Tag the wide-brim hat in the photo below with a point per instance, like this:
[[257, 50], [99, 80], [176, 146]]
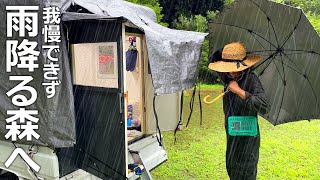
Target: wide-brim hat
[[234, 58]]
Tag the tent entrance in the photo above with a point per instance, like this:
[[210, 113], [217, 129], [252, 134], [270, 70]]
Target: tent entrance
[[134, 85]]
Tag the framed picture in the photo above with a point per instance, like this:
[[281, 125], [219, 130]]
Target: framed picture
[[95, 64], [107, 61]]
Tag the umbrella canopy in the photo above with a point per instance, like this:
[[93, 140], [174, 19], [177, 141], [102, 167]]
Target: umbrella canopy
[[290, 47]]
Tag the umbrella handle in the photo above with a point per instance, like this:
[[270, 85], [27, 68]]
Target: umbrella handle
[[215, 99]]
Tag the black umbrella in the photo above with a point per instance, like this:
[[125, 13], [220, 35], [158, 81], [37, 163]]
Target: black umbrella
[[289, 70]]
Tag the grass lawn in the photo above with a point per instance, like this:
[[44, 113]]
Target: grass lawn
[[288, 151]]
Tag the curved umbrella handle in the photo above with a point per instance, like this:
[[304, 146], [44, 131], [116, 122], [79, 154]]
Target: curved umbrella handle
[[215, 99]]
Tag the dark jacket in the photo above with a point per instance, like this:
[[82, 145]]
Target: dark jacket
[[243, 151], [256, 101]]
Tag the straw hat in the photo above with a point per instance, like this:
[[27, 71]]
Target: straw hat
[[234, 59]]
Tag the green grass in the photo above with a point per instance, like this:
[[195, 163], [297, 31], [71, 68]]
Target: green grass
[[288, 151], [210, 86]]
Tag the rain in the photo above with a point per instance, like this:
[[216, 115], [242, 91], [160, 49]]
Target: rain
[[159, 89]]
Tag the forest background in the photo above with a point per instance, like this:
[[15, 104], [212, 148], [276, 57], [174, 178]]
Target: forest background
[[193, 15]]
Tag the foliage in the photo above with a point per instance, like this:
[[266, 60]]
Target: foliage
[[172, 10], [310, 7], [198, 7], [228, 2], [194, 23], [314, 20], [197, 23], [154, 5], [211, 15]]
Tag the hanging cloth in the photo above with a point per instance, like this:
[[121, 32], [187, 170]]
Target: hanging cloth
[[131, 56]]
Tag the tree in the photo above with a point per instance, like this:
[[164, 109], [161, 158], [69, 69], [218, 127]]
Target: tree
[[314, 20], [194, 23], [310, 7], [173, 9]]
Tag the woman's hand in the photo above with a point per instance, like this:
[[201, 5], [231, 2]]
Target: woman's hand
[[234, 87]]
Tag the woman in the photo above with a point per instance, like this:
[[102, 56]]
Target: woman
[[245, 97]]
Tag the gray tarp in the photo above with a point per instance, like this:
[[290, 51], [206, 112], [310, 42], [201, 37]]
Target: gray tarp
[[173, 55]]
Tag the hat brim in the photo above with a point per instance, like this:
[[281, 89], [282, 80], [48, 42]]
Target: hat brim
[[222, 66]]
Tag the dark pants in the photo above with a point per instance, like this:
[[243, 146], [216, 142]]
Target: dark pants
[[242, 157]]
